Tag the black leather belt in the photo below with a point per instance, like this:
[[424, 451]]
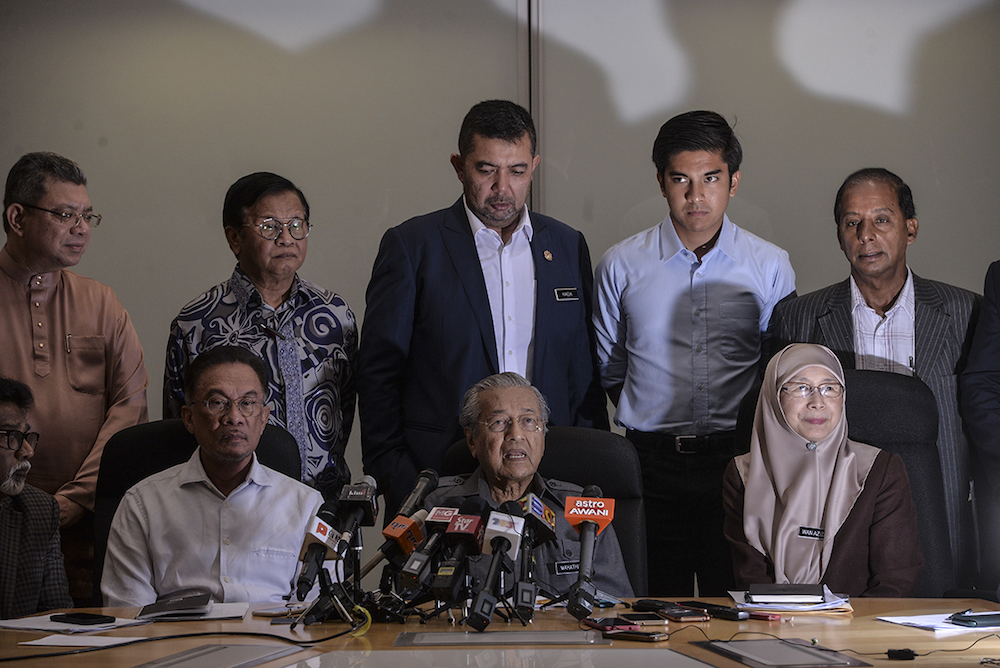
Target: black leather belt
[[683, 443]]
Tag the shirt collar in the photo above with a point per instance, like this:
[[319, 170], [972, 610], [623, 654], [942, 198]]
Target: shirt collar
[[194, 473], [539, 486], [21, 274], [246, 292], [904, 302], [524, 225], [671, 245]]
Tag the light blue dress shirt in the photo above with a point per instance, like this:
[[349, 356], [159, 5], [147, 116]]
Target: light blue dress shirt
[[679, 340]]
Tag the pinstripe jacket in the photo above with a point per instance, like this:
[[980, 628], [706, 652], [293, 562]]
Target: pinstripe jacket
[[32, 577], [944, 323]]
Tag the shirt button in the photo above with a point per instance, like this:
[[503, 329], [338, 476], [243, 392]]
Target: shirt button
[[41, 345], [37, 304], [510, 352], [226, 580], [697, 312], [227, 541], [698, 349], [39, 324], [226, 504], [701, 386]]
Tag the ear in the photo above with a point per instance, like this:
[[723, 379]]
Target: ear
[[15, 218], [734, 182], [235, 238], [912, 226], [458, 163], [187, 417]]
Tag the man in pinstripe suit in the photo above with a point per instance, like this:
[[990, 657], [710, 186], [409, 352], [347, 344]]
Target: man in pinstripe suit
[[885, 317]]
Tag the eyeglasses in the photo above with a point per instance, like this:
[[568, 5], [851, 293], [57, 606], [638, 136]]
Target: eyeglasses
[[271, 228], [802, 390], [221, 406], [526, 422], [16, 438], [93, 219]]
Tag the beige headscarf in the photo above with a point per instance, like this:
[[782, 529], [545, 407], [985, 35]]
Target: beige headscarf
[[791, 489]]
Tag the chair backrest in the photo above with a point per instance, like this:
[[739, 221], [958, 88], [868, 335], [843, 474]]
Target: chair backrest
[[590, 457], [138, 452], [899, 415]]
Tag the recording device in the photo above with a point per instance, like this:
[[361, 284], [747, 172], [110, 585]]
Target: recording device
[[610, 624], [320, 543], [402, 536], [417, 568], [427, 482], [590, 514], [463, 538], [502, 540], [715, 610], [359, 508]]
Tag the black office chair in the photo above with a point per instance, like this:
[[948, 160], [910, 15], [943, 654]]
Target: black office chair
[[138, 452], [590, 457], [899, 415]]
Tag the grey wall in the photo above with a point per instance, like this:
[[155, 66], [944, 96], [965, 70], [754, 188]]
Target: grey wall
[[166, 102]]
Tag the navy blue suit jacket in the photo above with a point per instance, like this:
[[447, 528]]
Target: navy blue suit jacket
[[428, 336]]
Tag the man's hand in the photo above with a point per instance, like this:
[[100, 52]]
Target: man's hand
[[70, 512]]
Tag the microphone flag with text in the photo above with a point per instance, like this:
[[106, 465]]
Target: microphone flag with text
[[319, 544], [503, 539], [590, 514]]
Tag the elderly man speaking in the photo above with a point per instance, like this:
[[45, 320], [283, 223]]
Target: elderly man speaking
[[504, 417]]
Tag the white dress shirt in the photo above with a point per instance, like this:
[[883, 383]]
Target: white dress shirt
[[175, 530], [885, 343], [509, 271]]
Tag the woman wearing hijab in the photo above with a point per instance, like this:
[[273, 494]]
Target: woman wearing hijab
[[807, 505]]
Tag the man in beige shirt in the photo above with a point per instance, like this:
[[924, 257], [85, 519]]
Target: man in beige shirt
[[69, 339]]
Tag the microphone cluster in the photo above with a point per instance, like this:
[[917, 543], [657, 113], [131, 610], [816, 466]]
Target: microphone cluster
[[427, 553]]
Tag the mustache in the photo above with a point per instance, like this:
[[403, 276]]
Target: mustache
[[22, 466]]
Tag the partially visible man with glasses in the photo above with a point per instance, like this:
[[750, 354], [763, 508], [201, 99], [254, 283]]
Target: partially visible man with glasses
[[70, 340], [306, 334], [505, 418], [221, 522], [31, 563]]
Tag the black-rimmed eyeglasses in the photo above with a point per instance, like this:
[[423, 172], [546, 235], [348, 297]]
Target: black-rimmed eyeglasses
[[13, 439]]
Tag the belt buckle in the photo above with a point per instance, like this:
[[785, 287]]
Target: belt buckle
[[678, 440]]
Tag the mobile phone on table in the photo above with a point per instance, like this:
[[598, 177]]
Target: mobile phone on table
[[610, 624], [645, 618], [716, 610], [81, 618], [975, 619], [641, 636]]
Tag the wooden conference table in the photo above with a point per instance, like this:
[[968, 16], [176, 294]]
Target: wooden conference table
[[858, 632]]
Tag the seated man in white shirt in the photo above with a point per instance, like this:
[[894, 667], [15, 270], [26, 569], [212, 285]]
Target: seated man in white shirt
[[221, 522]]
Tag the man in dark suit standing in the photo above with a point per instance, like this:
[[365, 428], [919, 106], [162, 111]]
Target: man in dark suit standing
[[32, 577], [463, 293], [886, 318], [981, 412]]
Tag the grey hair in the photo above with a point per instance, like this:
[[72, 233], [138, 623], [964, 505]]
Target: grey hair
[[469, 417]]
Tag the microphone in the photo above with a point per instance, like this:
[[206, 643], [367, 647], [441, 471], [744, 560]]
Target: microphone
[[590, 514], [402, 535], [418, 565], [539, 528], [320, 541], [427, 482], [464, 536], [360, 508], [503, 538]]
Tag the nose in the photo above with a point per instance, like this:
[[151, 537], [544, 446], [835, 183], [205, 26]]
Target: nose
[[865, 231], [501, 183], [232, 415], [817, 400], [284, 236], [25, 452], [695, 192]]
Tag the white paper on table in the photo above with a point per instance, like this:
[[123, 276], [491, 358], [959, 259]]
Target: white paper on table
[[43, 623], [832, 602], [937, 623], [79, 641]]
